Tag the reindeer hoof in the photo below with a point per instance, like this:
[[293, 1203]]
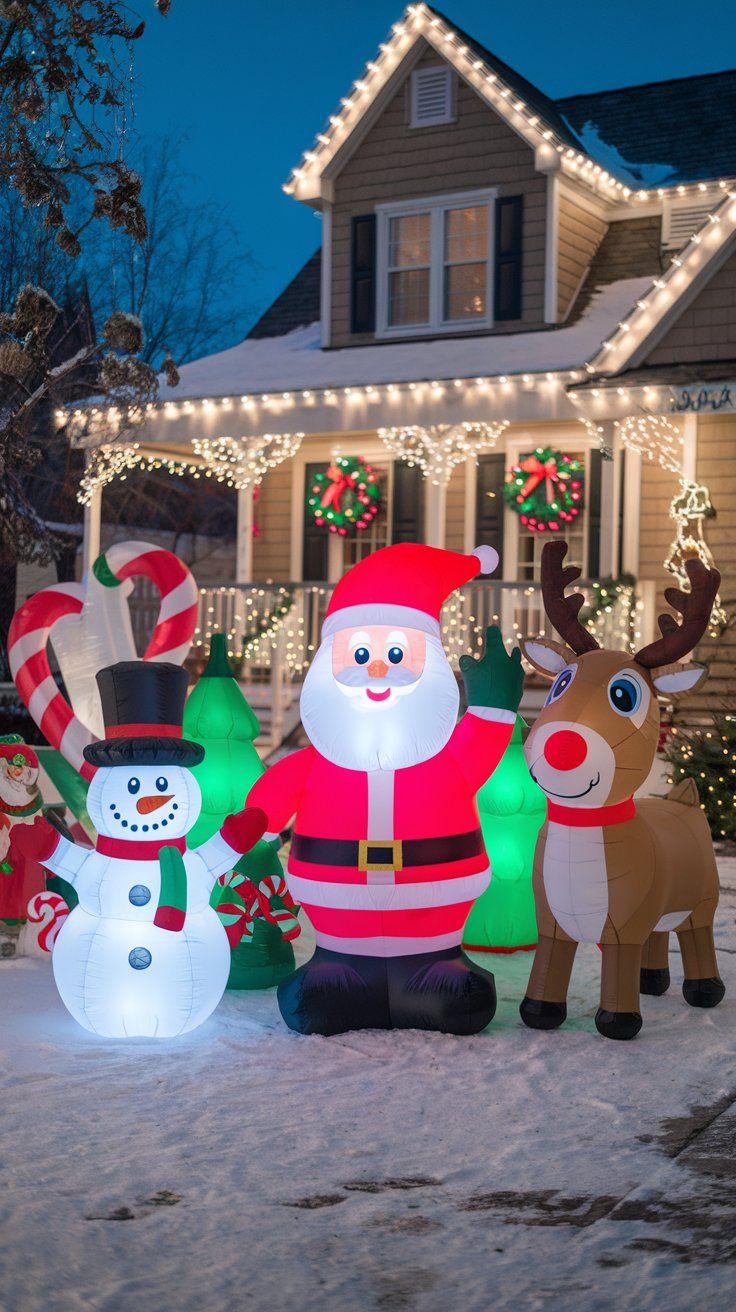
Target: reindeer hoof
[[617, 1024], [703, 992], [542, 1015], [654, 982]]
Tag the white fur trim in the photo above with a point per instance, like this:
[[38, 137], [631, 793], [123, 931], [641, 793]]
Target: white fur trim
[[493, 713], [379, 612], [488, 558]]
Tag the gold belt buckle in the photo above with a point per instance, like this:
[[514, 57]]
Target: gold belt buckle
[[394, 845]]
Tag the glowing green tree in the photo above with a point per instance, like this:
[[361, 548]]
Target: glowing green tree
[[512, 809]]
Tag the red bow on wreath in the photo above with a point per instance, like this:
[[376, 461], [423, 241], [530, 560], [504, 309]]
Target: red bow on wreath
[[339, 482], [539, 471]]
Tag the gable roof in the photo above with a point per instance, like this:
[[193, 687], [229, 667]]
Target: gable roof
[[599, 139], [681, 128]]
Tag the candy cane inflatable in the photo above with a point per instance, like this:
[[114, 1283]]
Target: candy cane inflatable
[[48, 911], [284, 912], [89, 627]]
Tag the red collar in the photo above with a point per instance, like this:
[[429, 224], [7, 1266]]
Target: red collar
[[132, 849], [581, 817]]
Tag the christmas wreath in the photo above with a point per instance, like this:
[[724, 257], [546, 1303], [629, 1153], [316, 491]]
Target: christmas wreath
[[545, 489], [345, 496]]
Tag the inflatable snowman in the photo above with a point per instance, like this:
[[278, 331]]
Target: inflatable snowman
[[144, 953]]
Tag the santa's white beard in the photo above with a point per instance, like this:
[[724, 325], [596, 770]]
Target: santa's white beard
[[357, 734]]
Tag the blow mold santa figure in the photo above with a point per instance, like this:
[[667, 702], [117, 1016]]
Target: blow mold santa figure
[[387, 854]]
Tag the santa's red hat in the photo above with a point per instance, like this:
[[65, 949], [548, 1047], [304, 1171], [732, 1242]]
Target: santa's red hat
[[407, 584]]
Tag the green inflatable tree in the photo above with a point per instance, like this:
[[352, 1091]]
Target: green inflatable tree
[[218, 716], [512, 810]]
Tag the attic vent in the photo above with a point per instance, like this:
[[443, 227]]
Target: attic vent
[[681, 218], [432, 96]]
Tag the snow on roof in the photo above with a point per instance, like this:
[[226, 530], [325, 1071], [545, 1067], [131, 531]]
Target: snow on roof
[[606, 153], [296, 361]]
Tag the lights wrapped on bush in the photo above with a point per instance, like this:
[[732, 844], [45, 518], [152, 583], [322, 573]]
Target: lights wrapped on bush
[[546, 490], [345, 496]]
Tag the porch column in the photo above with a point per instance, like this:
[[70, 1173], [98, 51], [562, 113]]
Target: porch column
[[244, 542], [434, 521], [610, 478], [632, 513], [689, 447], [91, 531], [335, 557]]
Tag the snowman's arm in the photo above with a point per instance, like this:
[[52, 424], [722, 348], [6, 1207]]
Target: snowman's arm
[[480, 740], [42, 843], [279, 791], [238, 834]]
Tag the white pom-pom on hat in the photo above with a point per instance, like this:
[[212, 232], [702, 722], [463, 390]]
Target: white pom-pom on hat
[[488, 557]]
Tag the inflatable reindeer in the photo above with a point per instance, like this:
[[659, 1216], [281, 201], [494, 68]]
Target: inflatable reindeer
[[609, 870]]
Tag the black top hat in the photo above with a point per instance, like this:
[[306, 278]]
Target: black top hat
[[143, 707]]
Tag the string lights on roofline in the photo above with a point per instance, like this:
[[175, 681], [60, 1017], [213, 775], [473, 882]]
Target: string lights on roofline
[[418, 20]]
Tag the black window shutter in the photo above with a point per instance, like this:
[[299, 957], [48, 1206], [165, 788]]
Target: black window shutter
[[489, 502], [508, 258], [594, 513], [406, 519], [314, 543], [363, 275]]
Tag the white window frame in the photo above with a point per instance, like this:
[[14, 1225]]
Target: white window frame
[[437, 206], [448, 115]]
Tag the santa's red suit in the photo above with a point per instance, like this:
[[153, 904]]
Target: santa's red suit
[[405, 849], [387, 853]]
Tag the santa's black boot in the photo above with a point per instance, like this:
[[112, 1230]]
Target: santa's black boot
[[334, 992], [440, 991]]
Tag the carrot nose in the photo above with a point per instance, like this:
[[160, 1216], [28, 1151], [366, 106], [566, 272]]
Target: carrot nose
[[145, 805], [565, 750], [378, 669]]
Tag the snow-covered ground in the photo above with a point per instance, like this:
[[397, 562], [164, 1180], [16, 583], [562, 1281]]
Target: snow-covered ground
[[247, 1167]]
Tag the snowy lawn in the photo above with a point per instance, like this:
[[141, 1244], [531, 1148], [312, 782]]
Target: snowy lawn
[[247, 1167]]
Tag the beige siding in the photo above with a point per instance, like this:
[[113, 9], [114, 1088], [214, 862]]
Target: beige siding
[[455, 511], [656, 529], [272, 549], [396, 162], [707, 329], [580, 233], [716, 467]]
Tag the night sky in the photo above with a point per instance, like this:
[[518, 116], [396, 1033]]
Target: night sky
[[252, 83]]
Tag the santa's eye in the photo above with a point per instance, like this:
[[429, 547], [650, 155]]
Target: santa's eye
[[362, 655], [162, 784], [395, 655], [133, 785]]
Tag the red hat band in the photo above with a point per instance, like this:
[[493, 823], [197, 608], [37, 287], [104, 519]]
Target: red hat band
[[140, 730], [408, 577]]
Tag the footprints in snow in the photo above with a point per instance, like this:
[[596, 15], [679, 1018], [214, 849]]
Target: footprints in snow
[[161, 1198], [313, 1201]]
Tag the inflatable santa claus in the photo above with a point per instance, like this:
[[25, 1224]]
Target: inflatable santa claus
[[387, 854]]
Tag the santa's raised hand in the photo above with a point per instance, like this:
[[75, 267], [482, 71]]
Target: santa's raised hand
[[495, 679]]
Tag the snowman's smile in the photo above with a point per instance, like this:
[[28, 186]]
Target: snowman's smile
[[145, 805]]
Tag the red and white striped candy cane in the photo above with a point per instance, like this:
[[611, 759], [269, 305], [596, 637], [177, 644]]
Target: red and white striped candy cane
[[285, 917], [33, 625], [49, 910]]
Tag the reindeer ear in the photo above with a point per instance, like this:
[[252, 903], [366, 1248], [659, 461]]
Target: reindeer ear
[[547, 657], [675, 681]]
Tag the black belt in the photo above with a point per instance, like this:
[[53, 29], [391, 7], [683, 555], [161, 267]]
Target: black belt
[[396, 854]]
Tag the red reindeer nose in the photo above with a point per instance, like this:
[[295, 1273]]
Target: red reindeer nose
[[565, 750]]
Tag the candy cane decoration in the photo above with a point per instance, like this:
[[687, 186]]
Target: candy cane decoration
[[49, 910], [89, 627], [284, 913]]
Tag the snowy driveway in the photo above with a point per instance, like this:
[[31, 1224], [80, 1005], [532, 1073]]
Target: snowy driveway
[[246, 1167]]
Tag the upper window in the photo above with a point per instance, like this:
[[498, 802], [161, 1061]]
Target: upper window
[[432, 96], [433, 264]]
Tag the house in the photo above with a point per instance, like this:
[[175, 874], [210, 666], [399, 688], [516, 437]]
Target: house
[[504, 280]]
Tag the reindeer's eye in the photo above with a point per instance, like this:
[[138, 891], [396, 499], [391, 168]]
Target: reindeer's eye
[[624, 694], [561, 684]]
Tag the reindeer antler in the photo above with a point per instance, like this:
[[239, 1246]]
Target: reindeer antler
[[694, 606], [563, 611]]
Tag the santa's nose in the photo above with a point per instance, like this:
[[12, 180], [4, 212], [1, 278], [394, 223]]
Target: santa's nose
[[145, 805], [378, 669], [565, 750]]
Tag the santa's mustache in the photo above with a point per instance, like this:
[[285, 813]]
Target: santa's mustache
[[397, 677]]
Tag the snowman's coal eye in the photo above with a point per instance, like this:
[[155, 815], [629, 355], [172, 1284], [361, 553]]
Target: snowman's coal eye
[[162, 784], [133, 785]]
